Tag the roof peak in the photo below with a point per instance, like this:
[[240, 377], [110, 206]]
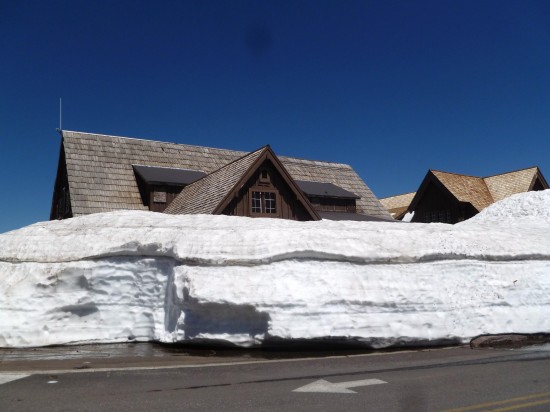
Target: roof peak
[[513, 171], [484, 177], [455, 174]]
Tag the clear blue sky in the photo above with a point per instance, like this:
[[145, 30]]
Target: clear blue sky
[[393, 88]]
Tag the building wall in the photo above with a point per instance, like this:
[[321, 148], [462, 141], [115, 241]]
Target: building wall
[[438, 206], [61, 202], [161, 196], [267, 180]]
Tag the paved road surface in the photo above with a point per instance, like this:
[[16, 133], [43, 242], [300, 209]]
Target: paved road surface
[[458, 379]]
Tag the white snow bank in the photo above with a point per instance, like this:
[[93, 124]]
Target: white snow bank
[[524, 205], [148, 276]]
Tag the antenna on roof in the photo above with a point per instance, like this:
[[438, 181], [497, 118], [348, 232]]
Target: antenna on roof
[[60, 129]]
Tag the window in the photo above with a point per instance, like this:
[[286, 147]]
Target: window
[[441, 216], [264, 202], [256, 202], [269, 199]]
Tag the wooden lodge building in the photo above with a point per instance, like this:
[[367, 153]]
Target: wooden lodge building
[[99, 173], [451, 198]]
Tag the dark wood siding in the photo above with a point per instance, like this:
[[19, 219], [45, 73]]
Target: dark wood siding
[[61, 202], [161, 196], [436, 205], [538, 185], [266, 179], [157, 197]]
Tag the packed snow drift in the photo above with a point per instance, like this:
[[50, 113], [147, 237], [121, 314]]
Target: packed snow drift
[[143, 276]]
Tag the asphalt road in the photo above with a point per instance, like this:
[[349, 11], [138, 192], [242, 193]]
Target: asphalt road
[[458, 379]]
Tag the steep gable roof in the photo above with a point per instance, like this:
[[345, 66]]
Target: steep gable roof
[[212, 193], [466, 188], [101, 177], [480, 192], [507, 184], [206, 194]]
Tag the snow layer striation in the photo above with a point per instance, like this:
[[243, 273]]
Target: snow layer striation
[[143, 276]]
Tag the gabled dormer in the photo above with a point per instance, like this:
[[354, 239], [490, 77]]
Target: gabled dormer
[[256, 185]]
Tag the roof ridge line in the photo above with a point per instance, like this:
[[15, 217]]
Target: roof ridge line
[[154, 141], [291, 158], [312, 160], [402, 194], [456, 174], [513, 171]]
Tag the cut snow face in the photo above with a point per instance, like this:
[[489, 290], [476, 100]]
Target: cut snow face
[[144, 276]]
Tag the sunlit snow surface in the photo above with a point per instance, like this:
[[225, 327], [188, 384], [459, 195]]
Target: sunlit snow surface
[[143, 276]]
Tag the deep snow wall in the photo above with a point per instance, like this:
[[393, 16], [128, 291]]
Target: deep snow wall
[[377, 305], [143, 276], [105, 300], [121, 299]]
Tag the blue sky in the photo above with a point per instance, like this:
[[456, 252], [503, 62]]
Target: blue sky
[[393, 88]]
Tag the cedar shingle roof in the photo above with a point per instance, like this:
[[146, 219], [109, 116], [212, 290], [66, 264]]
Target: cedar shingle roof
[[508, 184], [483, 191], [466, 188], [480, 192], [101, 177], [204, 195], [397, 205]]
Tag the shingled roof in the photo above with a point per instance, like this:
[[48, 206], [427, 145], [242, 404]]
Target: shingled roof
[[480, 192], [466, 188], [206, 194], [101, 177], [483, 191], [398, 205], [508, 184]]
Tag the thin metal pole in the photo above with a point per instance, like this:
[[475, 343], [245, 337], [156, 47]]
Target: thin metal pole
[[60, 112]]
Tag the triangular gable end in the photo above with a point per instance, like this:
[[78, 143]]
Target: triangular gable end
[[255, 185], [61, 199], [429, 207], [429, 178], [204, 195], [539, 182], [266, 189]]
